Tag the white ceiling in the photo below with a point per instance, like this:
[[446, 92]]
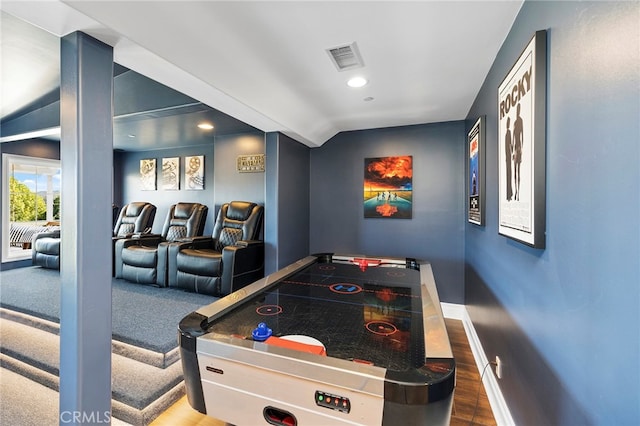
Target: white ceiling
[[265, 62], [38, 54]]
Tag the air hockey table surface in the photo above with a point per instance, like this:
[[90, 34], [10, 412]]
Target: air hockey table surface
[[330, 339]]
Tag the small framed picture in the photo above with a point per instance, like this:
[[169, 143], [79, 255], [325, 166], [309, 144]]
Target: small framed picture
[[194, 172], [476, 204], [148, 174], [171, 173], [253, 163]]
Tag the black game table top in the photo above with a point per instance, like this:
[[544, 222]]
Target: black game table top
[[372, 316]]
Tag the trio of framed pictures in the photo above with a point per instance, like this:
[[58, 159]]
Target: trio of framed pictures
[[169, 176], [521, 151]]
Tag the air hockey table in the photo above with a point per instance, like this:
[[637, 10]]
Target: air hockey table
[[328, 340]]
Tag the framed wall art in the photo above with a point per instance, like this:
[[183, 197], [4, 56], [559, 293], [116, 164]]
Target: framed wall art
[[148, 174], [521, 146], [253, 163], [171, 173], [194, 172], [388, 187], [476, 192]]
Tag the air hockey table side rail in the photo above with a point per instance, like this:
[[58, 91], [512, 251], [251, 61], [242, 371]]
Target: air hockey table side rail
[[417, 396]]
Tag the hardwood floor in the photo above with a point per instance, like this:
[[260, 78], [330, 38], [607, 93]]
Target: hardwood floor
[[468, 382], [466, 394]]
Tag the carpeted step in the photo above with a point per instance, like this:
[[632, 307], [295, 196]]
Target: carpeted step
[[140, 391], [25, 402], [41, 407], [147, 356]]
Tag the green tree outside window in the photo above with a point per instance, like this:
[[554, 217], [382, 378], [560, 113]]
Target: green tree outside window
[[25, 206]]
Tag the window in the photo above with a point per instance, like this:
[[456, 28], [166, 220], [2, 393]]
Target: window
[[30, 202]]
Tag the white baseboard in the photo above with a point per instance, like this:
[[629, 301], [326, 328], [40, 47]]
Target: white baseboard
[[454, 311], [494, 394]]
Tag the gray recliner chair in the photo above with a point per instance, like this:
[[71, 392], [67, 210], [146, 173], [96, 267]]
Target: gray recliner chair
[[142, 258], [228, 260], [45, 249], [133, 218]]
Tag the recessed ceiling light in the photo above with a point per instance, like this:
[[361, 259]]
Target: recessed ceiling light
[[357, 82], [205, 126], [131, 136]]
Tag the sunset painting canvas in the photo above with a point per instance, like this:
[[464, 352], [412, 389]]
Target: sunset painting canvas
[[388, 191]]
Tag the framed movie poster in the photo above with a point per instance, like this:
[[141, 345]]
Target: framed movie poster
[[194, 172], [521, 146], [388, 188], [171, 173], [148, 174], [475, 205]]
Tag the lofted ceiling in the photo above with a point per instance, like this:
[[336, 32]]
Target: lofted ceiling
[[265, 63]]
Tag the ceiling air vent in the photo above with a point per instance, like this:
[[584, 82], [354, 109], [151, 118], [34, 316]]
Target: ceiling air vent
[[346, 57]]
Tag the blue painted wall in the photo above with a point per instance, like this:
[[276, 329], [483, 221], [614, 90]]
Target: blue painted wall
[[436, 231], [566, 320], [287, 207], [40, 148], [293, 201], [229, 183], [272, 147]]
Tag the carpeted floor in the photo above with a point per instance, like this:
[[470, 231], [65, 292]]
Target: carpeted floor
[[143, 316], [146, 376]]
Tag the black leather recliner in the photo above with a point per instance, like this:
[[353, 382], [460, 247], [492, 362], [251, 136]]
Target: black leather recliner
[[45, 249], [142, 259], [133, 218], [228, 260]]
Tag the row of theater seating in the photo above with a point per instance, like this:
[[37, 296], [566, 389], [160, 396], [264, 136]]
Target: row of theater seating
[[132, 218], [180, 256]]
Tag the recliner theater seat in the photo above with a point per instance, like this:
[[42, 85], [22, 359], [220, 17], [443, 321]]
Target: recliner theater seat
[[133, 218], [228, 260], [142, 259], [45, 250]]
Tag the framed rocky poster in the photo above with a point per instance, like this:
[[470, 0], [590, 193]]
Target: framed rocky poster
[[521, 146]]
